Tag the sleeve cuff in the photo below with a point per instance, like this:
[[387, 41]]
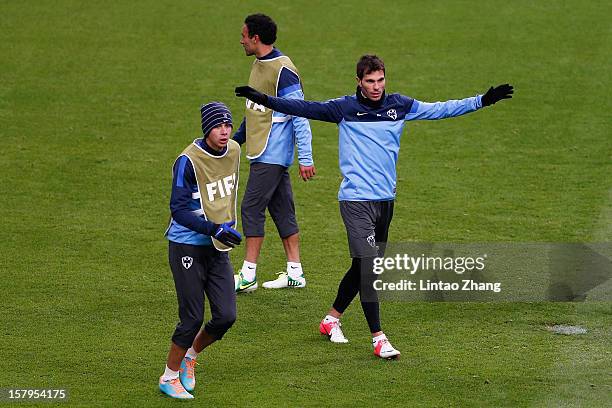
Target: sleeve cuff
[[305, 162]]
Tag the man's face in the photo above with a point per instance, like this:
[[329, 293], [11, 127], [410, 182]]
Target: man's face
[[372, 85], [219, 136], [247, 42]]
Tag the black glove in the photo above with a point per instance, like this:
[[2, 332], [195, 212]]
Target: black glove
[[494, 95], [227, 235], [252, 94]]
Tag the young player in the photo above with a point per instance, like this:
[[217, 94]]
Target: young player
[[203, 206], [270, 139], [370, 124]]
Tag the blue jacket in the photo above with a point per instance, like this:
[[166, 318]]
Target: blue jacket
[[369, 135]]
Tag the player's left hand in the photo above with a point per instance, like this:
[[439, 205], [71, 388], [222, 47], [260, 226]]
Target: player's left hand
[[252, 94], [496, 94], [307, 172]]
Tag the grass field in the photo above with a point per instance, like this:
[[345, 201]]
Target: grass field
[[98, 98]]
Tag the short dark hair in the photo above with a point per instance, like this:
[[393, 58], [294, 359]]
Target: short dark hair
[[263, 26], [369, 63]]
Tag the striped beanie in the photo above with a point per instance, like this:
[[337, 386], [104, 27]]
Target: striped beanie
[[213, 115]]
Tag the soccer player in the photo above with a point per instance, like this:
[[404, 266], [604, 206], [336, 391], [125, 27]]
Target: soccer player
[[370, 124], [270, 138], [203, 206]]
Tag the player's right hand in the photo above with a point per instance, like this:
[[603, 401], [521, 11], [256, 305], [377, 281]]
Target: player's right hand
[[252, 94], [307, 172], [225, 234]]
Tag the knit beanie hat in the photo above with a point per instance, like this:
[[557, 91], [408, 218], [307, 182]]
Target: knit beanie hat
[[213, 115]]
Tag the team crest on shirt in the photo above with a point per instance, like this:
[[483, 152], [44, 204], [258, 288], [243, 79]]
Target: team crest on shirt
[[371, 240], [187, 261], [392, 113]]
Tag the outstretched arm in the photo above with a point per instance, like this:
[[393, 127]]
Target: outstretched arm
[[452, 108], [325, 111]]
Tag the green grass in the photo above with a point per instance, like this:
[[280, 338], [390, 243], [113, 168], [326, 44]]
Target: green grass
[[98, 98]]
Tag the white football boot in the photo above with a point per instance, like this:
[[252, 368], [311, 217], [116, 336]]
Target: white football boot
[[285, 281]]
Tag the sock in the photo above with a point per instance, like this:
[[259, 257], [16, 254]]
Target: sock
[[294, 269], [378, 338], [248, 270], [191, 353], [330, 319], [169, 374]]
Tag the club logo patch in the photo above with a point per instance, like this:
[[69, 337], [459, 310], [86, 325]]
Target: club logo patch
[[187, 261], [371, 240], [392, 114]]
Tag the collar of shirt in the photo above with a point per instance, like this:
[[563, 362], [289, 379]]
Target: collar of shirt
[[272, 54], [368, 102], [209, 149]]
